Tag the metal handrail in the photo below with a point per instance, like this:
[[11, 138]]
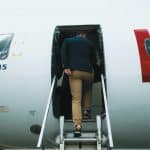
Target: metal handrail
[[46, 113], [107, 114]]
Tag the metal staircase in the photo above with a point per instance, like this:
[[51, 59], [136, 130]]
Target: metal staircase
[[91, 133]]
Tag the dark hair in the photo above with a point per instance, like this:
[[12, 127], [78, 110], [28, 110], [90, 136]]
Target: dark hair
[[81, 32]]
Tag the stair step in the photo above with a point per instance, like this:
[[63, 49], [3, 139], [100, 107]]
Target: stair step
[[86, 126], [84, 120], [83, 135], [81, 139]]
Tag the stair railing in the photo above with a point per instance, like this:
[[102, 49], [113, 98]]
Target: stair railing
[[46, 113], [111, 145]]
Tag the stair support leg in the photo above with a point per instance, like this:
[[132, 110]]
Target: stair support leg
[[98, 121], [62, 143]]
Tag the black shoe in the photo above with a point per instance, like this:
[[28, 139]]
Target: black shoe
[[86, 114], [77, 131]]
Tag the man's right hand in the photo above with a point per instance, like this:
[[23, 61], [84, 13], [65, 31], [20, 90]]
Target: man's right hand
[[67, 71]]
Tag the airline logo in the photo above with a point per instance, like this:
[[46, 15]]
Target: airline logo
[[5, 42], [143, 42]]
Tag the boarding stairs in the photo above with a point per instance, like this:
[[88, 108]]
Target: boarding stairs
[[91, 133]]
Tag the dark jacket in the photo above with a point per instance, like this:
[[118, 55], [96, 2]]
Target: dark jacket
[[78, 53]]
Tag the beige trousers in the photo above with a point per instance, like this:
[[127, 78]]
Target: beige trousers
[[81, 88]]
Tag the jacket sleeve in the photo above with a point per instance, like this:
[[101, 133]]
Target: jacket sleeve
[[64, 54]]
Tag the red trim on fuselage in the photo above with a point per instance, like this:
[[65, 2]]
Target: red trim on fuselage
[[141, 35]]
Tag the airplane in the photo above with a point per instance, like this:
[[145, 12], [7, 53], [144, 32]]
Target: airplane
[[31, 35]]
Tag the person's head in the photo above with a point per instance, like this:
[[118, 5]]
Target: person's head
[[81, 34]]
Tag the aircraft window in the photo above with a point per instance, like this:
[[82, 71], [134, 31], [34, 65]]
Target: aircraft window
[[5, 41], [147, 45]]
